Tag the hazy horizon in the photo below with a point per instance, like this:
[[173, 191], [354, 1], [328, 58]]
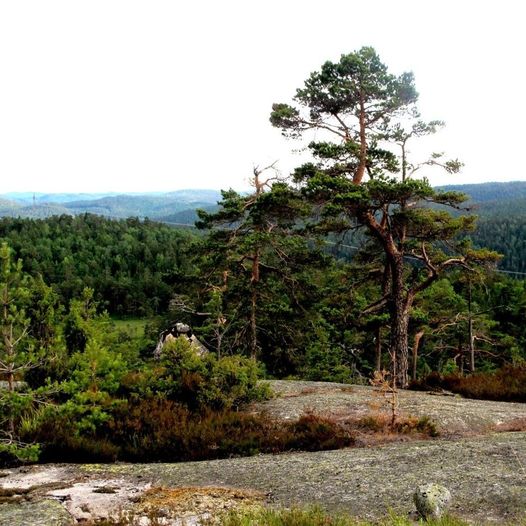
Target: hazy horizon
[[29, 193]]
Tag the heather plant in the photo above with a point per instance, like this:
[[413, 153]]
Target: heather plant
[[507, 384]]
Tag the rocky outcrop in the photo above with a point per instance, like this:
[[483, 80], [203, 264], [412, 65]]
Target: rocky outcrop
[[45, 512], [484, 473], [175, 331]]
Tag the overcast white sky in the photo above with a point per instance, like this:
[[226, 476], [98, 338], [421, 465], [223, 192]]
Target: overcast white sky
[[125, 95]]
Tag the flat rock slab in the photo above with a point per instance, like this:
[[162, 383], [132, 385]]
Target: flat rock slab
[[486, 473], [453, 415], [77, 494], [486, 476], [44, 512]]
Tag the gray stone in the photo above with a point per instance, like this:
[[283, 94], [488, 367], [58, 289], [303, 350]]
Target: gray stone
[[45, 512], [431, 500], [182, 328]]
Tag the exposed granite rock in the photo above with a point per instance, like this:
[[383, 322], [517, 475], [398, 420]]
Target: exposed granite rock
[[455, 416], [175, 331], [431, 500], [350, 480], [486, 474], [45, 512]]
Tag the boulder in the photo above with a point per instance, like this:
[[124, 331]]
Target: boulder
[[431, 500], [172, 333]]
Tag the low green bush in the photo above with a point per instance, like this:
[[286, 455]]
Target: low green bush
[[205, 382]]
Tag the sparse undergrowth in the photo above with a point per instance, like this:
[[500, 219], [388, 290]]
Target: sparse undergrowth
[[506, 385], [318, 517], [381, 425], [161, 430], [259, 516]]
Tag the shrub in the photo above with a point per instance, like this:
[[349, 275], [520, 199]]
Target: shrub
[[316, 433], [12, 454], [507, 384], [60, 441], [381, 423], [206, 382], [156, 429], [153, 430]]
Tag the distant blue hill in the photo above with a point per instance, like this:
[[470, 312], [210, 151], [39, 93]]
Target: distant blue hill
[[489, 199], [39, 197], [153, 205]]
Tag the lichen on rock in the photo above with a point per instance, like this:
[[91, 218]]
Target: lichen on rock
[[44, 512], [431, 500]]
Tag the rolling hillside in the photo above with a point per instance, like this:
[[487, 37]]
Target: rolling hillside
[[153, 205], [501, 208]]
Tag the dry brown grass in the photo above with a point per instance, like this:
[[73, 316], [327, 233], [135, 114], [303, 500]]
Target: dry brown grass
[[507, 384], [187, 502], [517, 424]]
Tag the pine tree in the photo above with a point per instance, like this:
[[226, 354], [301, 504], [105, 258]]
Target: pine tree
[[17, 355], [362, 177]]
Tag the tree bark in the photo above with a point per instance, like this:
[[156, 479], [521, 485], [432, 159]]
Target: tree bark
[[378, 348], [219, 343], [360, 172], [400, 306], [471, 336], [253, 304], [253, 325], [471, 344], [416, 345], [461, 354]]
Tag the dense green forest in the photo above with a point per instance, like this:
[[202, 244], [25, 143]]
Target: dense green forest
[[499, 207], [265, 286], [133, 266], [506, 235]]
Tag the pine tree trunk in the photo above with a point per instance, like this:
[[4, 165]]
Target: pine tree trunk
[[378, 348], [253, 303], [253, 325], [471, 344], [399, 325], [7, 336], [219, 343], [416, 345], [460, 352], [360, 172], [471, 337]]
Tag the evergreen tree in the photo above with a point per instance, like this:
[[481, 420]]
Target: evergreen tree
[[255, 256], [364, 112], [17, 355]]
